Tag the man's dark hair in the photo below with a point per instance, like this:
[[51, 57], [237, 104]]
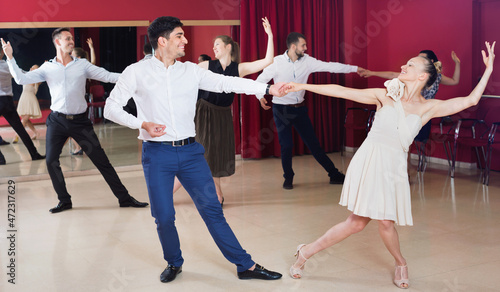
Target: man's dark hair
[[57, 32], [146, 49], [162, 27], [293, 38], [205, 57]]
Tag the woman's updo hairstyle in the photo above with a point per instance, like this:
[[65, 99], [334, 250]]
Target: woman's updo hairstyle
[[433, 69], [235, 48]]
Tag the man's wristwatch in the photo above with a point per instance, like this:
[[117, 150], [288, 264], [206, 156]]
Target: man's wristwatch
[[267, 88]]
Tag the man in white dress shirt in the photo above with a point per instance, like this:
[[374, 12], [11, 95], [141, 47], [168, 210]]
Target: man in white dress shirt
[[290, 110], [66, 77], [165, 91], [8, 111]]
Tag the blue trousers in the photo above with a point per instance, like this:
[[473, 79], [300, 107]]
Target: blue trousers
[[286, 117], [161, 163]]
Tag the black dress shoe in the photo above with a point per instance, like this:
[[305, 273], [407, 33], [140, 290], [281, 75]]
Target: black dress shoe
[[3, 142], [131, 202], [337, 179], [259, 273], [169, 274], [2, 159], [288, 184], [61, 207], [37, 156]]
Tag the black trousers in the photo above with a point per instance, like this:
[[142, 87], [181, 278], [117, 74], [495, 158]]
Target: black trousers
[[59, 129], [286, 117], [8, 110]]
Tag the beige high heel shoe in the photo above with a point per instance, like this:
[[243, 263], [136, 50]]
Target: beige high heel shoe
[[400, 271], [16, 139], [296, 273]]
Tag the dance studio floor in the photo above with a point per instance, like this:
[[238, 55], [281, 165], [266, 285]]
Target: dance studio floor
[[453, 246]]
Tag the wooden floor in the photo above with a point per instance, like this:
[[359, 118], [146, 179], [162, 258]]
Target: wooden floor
[[453, 246]]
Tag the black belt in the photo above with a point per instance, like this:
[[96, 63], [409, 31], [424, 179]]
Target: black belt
[[186, 141], [303, 103], [71, 117]]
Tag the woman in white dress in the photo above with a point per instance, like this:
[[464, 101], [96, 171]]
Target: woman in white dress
[[28, 107], [376, 184]]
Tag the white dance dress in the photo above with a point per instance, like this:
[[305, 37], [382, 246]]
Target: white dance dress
[[28, 103], [376, 183]]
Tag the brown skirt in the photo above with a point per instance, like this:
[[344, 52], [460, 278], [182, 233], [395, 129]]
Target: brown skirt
[[214, 130]]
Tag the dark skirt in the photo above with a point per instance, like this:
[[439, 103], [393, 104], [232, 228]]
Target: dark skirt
[[214, 130]]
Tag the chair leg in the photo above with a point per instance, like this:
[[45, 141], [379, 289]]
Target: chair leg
[[418, 154], [447, 151], [418, 145], [342, 145], [488, 166], [424, 156], [453, 159], [479, 160]]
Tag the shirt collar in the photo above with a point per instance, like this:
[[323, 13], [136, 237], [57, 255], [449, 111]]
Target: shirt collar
[[288, 57], [54, 60], [159, 63]]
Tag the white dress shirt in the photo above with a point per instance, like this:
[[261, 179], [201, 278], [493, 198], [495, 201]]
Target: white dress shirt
[[66, 83], [5, 79], [283, 69], [168, 96]]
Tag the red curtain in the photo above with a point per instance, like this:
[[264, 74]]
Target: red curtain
[[321, 22]]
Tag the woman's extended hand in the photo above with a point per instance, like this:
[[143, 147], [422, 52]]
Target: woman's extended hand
[[488, 60]]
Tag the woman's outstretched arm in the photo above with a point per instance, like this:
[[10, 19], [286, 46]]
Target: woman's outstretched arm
[[382, 74], [366, 96], [256, 66], [456, 74], [452, 106]]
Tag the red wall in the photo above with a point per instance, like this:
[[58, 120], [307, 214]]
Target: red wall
[[488, 24], [383, 35], [442, 26], [354, 54], [96, 10]]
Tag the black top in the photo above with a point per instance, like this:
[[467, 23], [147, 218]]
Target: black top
[[220, 99]]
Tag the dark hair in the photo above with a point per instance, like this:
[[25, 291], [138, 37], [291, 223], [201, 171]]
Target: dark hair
[[57, 32], [293, 38], [430, 54], [147, 49], [235, 48], [81, 53], [162, 27], [430, 68], [205, 57]]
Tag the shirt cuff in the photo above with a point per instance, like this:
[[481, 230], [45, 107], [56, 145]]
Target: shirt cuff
[[138, 124]]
